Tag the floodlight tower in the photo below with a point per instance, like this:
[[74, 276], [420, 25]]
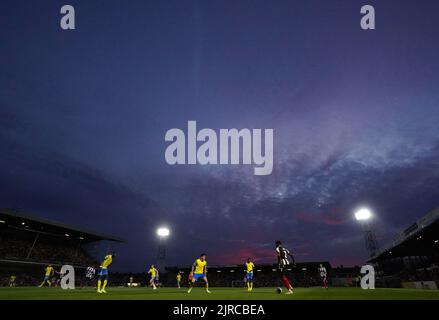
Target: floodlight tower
[[163, 234], [364, 216]]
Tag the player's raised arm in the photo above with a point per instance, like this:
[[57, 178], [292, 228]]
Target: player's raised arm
[[291, 256]]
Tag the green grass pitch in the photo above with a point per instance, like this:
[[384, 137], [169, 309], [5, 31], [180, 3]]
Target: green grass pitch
[[30, 293]]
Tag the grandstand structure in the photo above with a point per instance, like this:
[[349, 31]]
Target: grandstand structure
[[411, 260], [27, 244]]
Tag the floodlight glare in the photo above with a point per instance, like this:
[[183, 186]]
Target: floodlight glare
[[363, 214], [163, 232]]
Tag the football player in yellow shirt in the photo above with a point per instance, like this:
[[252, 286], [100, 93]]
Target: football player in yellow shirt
[[249, 276], [154, 276], [199, 271], [48, 272], [12, 280], [103, 273], [178, 280]]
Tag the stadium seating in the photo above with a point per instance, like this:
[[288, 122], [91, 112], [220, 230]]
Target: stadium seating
[[28, 244]]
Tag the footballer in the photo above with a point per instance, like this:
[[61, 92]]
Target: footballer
[[199, 271], [103, 273], [324, 276], [12, 280], [178, 278], [48, 272], [249, 274], [283, 260], [154, 273]]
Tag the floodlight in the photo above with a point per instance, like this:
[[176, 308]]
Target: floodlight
[[163, 232], [363, 214]]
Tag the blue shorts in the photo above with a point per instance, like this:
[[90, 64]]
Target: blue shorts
[[198, 276], [46, 278], [249, 275], [103, 272]]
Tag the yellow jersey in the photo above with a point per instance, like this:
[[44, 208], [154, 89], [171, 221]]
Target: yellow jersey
[[49, 271], [178, 277], [200, 266], [250, 267], [153, 272], [107, 261]]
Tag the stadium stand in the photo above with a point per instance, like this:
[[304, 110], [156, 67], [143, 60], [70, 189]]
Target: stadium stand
[[28, 244], [411, 260]]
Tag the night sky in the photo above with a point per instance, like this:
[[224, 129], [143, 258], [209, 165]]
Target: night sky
[[83, 116]]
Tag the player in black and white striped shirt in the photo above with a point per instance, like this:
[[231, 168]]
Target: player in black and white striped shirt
[[283, 260], [324, 276], [90, 272]]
